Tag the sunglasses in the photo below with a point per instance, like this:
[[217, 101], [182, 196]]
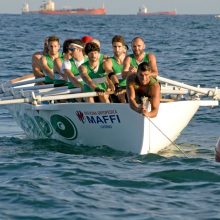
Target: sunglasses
[[71, 48]]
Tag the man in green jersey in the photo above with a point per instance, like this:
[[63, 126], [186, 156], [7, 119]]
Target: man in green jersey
[[114, 65], [139, 55], [93, 73], [71, 65], [142, 85], [48, 59]]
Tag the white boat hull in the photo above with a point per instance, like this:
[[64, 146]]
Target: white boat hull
[[113, 125]]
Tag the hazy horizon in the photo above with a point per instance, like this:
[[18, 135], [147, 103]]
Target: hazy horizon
[[114, 7]]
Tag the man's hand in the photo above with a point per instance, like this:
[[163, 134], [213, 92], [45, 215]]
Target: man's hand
[[100, 91], [119, 89]]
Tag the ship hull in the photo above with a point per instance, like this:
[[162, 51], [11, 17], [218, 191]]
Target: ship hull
[[157, 13], [96, 11]]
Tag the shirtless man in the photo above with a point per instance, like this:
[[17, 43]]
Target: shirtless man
[[48, 59], [114, 66], [139, 55], [141, 85]]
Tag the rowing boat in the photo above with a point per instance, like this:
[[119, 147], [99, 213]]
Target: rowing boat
[[37, 111]]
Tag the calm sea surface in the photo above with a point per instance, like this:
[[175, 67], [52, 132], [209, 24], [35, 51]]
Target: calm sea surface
[[48, 180]]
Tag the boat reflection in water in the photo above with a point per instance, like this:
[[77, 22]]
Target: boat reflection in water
[[49, 8]]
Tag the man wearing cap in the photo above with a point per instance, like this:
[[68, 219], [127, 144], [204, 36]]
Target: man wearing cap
[[139, 55], [142, 85], [93, 73], [86, 39], [114, 66]]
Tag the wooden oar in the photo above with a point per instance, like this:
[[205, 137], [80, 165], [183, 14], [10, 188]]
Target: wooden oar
[[5, 87], [24, 90], [215, 92], [42, 92], [47, 98], [25, 77]]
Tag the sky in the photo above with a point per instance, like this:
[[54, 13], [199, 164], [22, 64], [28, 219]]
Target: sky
[[121, 6]]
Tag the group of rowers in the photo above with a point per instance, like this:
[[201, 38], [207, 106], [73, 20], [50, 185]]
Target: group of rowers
[[121, 78]]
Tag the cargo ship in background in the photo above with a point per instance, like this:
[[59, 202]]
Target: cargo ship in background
[[143, 11], [49, 8]]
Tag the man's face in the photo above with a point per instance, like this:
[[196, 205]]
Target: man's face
[[138, 47], [118, 48], [93, 56], [53, 47], [143, 77], [73, 51]]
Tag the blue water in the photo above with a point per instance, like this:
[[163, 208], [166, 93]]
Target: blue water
[[50, 180]]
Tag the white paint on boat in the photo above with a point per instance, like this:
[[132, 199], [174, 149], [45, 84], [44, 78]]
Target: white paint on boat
[[114, 125]]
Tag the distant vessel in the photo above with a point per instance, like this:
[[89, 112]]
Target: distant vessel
[[49, 8], [217, 16], [143, 11]]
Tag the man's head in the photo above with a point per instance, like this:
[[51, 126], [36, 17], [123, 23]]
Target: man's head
[[76, 47], [138, 46], [92, 50], [53, 45], [143, 73], [119, 45], [94, 40]]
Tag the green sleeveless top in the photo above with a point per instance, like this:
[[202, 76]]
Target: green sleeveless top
[[117, 68], [75, 71], [96, 75], [134, 62], [50, 64]]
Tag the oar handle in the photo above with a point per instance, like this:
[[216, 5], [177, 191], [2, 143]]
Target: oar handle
[[39, 98], [215, 93]]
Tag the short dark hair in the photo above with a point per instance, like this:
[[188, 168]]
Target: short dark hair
[[53, 38], [144, 66], [118, 38], [66, 44], [91, 47]]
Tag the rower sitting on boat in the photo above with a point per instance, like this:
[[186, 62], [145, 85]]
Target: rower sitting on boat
[[48, 59], [93, 73], [139, 55], [71, 65], [114, 66], [142, 85], [59, 76], [36, 60]]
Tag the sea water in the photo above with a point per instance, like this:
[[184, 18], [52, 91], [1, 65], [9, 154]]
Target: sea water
[[49, 180]]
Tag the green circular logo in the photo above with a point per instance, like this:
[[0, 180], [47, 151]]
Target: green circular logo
[[44, 126], [63, 126]]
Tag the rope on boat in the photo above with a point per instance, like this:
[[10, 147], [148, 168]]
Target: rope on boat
[[168, 138], [144, 100]]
